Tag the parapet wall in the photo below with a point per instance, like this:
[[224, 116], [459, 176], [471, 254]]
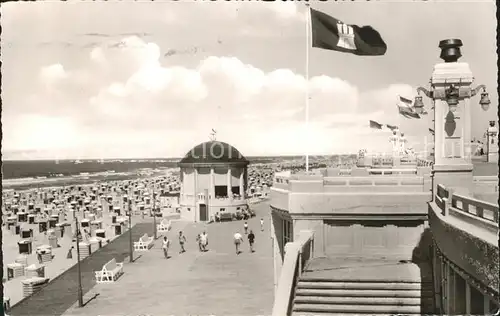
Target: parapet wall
[[396, 191], [459, 222]]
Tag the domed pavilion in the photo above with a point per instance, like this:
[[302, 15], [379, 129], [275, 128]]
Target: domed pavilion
[[213, 180]]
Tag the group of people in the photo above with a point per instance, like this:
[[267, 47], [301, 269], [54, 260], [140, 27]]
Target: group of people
[[202, 240]]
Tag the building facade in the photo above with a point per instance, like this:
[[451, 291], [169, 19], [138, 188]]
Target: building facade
[[213, 180]]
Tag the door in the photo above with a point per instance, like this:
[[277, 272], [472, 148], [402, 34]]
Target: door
[[203, 213]]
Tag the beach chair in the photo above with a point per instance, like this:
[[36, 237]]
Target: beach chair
[[164, 226], [110, 272], [144, 243]]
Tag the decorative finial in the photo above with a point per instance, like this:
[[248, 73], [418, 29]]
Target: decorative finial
[[213, 135], [450, 50]]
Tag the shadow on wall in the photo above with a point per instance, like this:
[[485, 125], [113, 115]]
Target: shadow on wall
[[278, 231], [421, 256]]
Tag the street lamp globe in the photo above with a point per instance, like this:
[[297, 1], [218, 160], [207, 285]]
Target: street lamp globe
[[418, 105], [485, 101]]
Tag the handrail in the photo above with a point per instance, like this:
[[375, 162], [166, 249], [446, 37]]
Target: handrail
[[479, 206], [447, 200], [296, 256]]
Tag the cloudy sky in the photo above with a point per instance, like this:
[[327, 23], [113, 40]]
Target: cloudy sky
[[121, 79]]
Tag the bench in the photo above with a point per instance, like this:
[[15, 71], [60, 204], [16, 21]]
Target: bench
[[164, 227], [226, 216], [110, 272], [144, 243]]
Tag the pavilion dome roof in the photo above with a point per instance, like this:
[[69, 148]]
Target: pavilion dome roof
[[213, 153]]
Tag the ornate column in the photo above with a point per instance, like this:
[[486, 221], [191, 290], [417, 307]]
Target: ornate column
[[195, 195], [229, 186], [242, 183], [212, 183], [183, 176], [451, 93], [492, 142]]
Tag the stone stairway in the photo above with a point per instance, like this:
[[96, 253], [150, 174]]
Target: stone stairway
[[376, 296]]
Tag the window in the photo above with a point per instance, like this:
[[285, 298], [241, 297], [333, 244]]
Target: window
[[287, 232], [221, 191]]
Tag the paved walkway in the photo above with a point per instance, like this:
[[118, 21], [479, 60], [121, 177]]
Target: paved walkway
[[217, 282], [61, 292]]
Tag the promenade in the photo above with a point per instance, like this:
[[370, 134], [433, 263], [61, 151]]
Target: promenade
[[215, 282]]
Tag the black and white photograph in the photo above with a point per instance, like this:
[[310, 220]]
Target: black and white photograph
[[273, 158]]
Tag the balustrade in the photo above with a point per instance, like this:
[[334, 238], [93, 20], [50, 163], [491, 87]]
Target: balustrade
[[297, 255], [447, 200]]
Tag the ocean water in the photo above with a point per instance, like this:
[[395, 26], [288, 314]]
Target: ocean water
[[14, 169]]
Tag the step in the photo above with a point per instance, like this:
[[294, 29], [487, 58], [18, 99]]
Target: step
[[387, 279], [360, 285], [362, 293], [349, 309], [399, 301]]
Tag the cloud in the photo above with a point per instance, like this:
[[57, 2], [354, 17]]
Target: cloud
[[130, 90], [246, 17]]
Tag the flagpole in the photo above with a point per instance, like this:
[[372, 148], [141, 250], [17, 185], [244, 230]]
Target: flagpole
[[308, 21]]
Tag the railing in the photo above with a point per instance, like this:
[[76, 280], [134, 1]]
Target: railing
[[373, 181], [297, 255], [424, 162], [392, 171], [452, 203]]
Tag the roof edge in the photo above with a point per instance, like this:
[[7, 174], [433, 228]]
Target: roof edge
[[212, 164]]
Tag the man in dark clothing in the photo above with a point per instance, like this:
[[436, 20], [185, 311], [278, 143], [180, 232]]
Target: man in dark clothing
[[251, 239]]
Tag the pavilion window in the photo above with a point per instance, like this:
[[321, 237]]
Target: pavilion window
[[221, 191]]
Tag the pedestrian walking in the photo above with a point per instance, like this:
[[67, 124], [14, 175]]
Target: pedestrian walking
[[198, 240], [182, 241], [165, 246], [204, 241], [245, 226], [70, 253], [237, 241], [251, 239], [261, 224]]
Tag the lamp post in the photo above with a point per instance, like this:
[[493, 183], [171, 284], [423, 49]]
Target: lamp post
[[154, 215], [80, 292], [451, 93], [131, 244], [450, 88]]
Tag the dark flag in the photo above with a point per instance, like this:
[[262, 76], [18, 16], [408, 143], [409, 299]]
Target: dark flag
[[332, 34], [391, 127], [375, 125], [431, 131]]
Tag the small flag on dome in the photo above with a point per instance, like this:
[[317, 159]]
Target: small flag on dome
[[213, 134]]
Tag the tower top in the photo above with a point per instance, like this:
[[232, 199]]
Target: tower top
[[450, 50]]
